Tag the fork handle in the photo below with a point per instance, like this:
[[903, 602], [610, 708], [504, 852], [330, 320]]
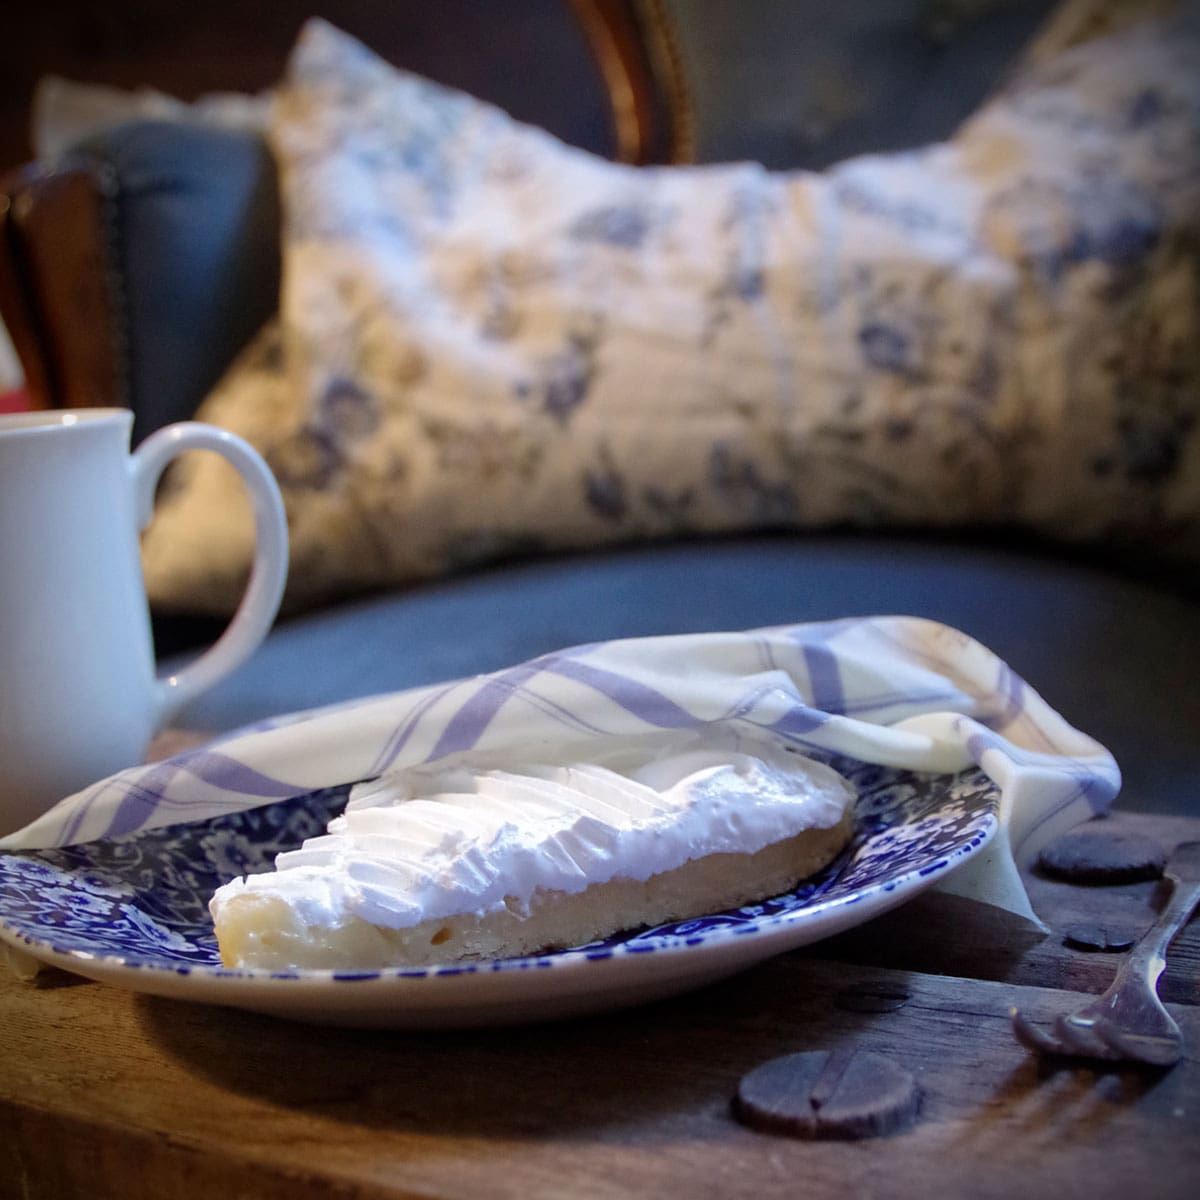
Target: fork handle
[[1148, 958]]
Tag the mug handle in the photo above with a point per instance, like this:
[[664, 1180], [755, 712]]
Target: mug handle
[[260, 604]]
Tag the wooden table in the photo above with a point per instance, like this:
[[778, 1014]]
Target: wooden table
[[108, 1093]]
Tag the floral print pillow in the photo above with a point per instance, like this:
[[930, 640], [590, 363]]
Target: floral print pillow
[[490, 342]]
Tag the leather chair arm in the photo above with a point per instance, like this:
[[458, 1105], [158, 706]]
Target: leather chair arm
[[59, 293]]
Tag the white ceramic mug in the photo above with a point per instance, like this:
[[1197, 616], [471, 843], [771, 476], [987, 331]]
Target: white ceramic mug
[[79, 698]]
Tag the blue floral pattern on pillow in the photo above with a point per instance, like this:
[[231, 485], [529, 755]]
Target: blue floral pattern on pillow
[[490, 341]]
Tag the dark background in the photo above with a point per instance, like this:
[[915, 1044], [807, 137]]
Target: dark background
[[534, 49]]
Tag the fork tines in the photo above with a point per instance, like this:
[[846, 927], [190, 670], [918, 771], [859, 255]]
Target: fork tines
[[1095, 1038]]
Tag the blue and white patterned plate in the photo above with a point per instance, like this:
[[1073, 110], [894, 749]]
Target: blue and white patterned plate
[[133, 911]]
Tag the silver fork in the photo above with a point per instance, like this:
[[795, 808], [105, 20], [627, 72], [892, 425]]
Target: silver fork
[[1128, 1022]]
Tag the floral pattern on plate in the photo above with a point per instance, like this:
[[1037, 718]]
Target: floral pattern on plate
[[141, 901]]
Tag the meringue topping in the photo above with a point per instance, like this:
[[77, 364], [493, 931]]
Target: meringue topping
[[471, 836]]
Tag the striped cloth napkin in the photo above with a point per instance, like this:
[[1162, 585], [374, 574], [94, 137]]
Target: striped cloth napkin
[[900, 692]]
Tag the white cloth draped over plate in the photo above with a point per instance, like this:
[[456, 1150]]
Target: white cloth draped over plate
[[895, 691]]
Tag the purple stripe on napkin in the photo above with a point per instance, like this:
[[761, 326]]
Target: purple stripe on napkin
[[403, 731], [134, 810], [466, 727], [824, 678], [222, 771], [799, 720], [643, 701], [219, 771]]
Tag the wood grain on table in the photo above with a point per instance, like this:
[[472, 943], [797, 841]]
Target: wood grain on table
[[108, 1093]]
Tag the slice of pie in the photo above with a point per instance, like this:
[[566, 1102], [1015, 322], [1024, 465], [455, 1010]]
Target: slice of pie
[[469, 859]]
